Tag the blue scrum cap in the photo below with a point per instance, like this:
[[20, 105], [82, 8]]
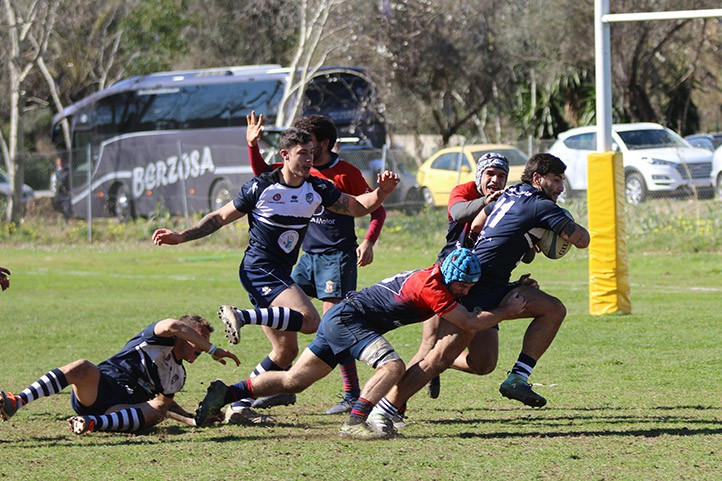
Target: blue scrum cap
[[461, 265], [487, 161]]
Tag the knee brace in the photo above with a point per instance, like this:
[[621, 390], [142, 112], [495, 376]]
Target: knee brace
[[378, 353]]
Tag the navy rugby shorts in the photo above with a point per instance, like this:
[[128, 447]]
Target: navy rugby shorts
[[343, 331], [112, 391], [263, 282], [486, 298]]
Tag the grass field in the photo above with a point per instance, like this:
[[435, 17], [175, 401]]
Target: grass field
[[632, 397]]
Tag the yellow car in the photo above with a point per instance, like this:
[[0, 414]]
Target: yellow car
[[449, 167]]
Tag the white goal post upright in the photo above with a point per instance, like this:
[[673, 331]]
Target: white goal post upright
[[609, 290]]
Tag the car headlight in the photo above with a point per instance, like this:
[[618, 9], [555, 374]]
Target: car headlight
[[654, 161]]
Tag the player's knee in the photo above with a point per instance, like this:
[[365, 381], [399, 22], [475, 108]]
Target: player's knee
[[482, 366], [557, 309], [79, 369], [379, 353], [311, 320]]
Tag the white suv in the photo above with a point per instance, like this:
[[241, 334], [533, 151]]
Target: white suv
[[656, 160], [717, 171]]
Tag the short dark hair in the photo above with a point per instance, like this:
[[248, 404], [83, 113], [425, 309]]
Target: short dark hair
[[542, 164], [320, 126], [196, 322], [292, 137]]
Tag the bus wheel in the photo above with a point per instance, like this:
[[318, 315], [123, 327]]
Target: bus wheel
[[121, 205], [221, 194]]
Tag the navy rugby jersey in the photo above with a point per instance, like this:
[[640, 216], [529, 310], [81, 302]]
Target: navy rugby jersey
[[405, 298], [147, 362], [328, 230], [515, 223], [278, 215]]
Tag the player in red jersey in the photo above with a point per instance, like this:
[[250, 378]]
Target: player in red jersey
[[355, 327]]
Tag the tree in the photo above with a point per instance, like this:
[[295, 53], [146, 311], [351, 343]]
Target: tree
[[27, 28], [438, 60], [317, 38]]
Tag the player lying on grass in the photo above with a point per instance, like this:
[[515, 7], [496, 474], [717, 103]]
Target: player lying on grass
[[133, 389], [356, 326]]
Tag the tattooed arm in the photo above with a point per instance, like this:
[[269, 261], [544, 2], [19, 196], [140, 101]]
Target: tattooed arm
[[206, 226], [363, 204]]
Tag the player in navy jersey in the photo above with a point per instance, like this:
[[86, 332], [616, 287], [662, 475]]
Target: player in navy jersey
[[133, 389], [465, 203], [355, 326], [511, 226], [327, 270], [280, 205]]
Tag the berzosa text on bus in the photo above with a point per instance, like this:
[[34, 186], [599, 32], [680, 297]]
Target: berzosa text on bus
[[170, 170]]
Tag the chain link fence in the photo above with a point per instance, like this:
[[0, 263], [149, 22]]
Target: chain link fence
[[170, 186]]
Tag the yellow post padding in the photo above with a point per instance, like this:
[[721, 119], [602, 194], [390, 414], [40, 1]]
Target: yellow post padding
[[608, 269]]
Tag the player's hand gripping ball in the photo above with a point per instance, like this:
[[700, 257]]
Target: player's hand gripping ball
[[553, 245]]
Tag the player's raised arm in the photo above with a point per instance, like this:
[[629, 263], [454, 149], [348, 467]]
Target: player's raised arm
[[363, 204]]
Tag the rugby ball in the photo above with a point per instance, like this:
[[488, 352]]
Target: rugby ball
[[553, 245]]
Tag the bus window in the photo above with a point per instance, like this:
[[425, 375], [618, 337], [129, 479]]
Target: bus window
[[261, 96], [158, 109], [205, 106]]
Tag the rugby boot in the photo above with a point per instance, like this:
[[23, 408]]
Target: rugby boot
[[517, 388]]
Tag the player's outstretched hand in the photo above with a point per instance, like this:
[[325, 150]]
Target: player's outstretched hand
[[4, 278], [254, 129], [387, 181], [220, 354], [166, 237]]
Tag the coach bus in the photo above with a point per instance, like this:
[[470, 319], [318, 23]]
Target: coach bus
[[177, 139]]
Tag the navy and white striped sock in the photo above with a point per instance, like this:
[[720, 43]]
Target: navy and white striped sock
[[387, 408], [523, 366], [126, 420], [279, 318], [50, 383]]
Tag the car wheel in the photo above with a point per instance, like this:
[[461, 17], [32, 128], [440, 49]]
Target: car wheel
[[414, 202], [635, 189], [427, 197], [121, 204], [221, 194]]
